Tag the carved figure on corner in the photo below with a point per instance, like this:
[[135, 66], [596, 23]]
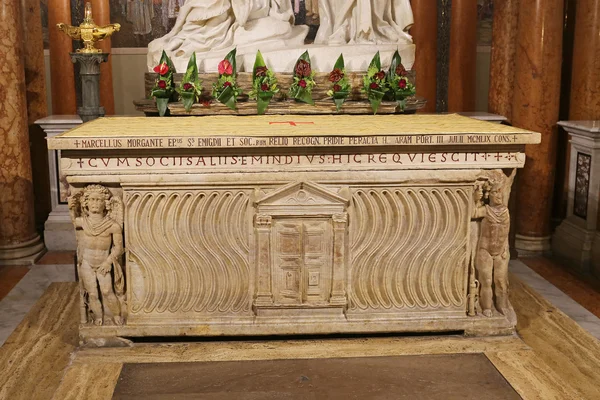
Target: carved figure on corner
[[492, 257], [98, 219]]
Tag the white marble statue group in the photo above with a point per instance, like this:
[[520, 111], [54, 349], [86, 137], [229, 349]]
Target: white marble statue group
[[205, 26]]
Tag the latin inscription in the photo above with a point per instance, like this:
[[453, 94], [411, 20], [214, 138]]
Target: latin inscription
[[285, 141], [351, 160]]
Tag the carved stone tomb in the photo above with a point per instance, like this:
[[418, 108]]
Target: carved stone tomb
[[291, 224]]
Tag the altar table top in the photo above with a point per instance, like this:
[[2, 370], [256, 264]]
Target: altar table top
[[450, 126]]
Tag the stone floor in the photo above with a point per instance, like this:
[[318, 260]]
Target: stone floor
[[554, 356]]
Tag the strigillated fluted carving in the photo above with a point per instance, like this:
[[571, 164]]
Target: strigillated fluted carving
[[203, 237], [409, 249]]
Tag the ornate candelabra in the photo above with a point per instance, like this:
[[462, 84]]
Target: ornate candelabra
[[89, 58]]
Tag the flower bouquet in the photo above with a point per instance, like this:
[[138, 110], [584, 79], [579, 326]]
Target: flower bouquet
[[399, 87], [163, 90], [264, 84], [225, 90], [302, 86], [190, 88], [340, 85], [374, 83]]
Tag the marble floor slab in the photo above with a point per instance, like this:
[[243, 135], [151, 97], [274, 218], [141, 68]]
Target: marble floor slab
[[410, 377], [18, 302], [557, 298]]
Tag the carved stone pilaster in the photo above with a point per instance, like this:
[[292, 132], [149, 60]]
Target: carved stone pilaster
[[340, 228], [262, 226]]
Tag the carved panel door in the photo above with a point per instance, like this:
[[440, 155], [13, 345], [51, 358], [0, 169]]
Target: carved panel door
[[302, 261]]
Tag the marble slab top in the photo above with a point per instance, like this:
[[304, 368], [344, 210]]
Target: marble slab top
[[288, 131]]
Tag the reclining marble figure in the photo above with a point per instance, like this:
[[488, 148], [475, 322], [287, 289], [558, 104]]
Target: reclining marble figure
[[212, 27]]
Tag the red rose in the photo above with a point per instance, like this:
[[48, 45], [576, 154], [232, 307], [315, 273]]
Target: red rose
[[162, 84], [402, 84], [373, 85], [225, 68], [206, 103], [261, 71], [227, 84], [303, 68], [400, 70], [161, 69], [187, 86], [264, 87], [302, 83], [337, 88], [380, 75], [336, 75]]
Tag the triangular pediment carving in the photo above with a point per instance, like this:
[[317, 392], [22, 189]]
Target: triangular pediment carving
[[302, 194]]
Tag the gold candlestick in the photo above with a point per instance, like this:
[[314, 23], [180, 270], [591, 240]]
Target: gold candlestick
[[88, 31]]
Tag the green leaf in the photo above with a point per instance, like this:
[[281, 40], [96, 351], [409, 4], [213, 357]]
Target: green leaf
[[376, 62], [258, 62], [304, 96], [188, 99], [304, 57], [159, 93], [402, 104], [164, 58], [231, 58], [227, 97], [339, 64], [191, 72], [162, 104], [396, 60], [375, 97], [262, 101]]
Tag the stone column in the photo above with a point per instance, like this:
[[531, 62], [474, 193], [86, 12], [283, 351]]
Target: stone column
[[535, 107], [19, 242], [502, 64], [62, 76], [463, 56], [101, 13], [36, 104], [424, 33], [338, 289], [264, 294]]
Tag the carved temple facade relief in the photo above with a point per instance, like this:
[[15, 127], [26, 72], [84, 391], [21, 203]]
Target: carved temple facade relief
[[301, 240]]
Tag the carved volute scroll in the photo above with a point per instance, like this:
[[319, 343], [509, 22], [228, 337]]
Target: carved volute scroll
[[97, 215], [492, 219]]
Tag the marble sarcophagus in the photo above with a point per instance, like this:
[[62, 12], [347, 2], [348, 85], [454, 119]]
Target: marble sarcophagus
[[292, 224]]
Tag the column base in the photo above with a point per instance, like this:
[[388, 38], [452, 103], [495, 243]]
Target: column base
[[25, 253], [59, 234], [573, 244], [532, 245]]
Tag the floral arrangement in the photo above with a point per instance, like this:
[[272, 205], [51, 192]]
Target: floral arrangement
[[302, 86], [225, 90], [163, 90], [399, 87], [340, 84], [374, 83], [190, 88], [264, 84]]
